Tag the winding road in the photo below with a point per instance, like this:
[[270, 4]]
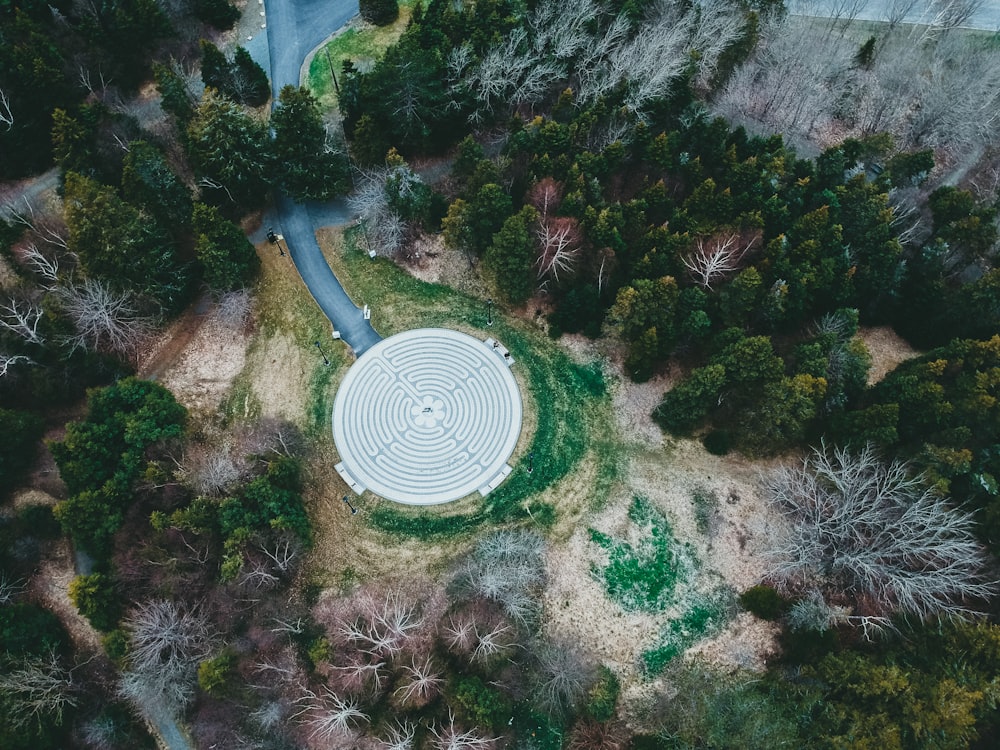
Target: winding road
[[294, 29]]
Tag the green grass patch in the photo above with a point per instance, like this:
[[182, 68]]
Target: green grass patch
[[644, 576], [355, 44], [573, 406], [703, 617]]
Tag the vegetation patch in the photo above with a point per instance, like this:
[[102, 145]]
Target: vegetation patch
[[703, 617], [354, 44], [644, 576]]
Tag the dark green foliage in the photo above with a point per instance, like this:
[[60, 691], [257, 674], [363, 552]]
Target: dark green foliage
[[933, 688], [379, 12], [268, 503], [717, 442], [509, 259], [907, 169], [689, 402], [126, 31], [711, 710], [214, 674], [39, 521], [230, 148], [865, 56], [32, 76], [20, 432], [228, 259], [150, 184], [306, 163], [119, 242], [27, 629], [941, 409], [479, 703], [471, 224], [102, 455], [218, 13], [579, 311], [215, 71], [764, 602], [96, 599], [176, 99], [250, 83]]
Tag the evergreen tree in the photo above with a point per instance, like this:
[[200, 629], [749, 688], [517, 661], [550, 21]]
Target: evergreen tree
[[307, 165], [250, 84], [510, 257], [215, 68], [379, 12], [218, 13], [175, 97], [229, 149], [228, 258], [149, 183]]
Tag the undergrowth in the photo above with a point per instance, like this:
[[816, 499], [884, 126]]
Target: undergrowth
[[703, 616], [644, 576]]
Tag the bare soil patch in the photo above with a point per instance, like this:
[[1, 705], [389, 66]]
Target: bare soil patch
[[50, 587], [198, 357], [888, 351]]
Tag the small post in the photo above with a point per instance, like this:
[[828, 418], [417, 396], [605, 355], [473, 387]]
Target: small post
[[322, 354], [531, 462], [333, 75], [353, 509], [489, 311]]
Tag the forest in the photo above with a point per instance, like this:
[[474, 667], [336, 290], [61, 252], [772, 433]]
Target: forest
[[746, 522]]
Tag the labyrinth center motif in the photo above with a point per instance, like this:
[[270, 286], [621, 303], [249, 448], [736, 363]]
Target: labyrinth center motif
[[427, 416]]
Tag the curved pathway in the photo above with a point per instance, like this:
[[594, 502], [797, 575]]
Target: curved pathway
[[294, 29]]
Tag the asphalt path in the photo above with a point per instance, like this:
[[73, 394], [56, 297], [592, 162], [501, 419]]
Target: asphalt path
[[986, 17], [294, 29]]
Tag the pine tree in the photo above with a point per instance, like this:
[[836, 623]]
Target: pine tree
[[379, 12], [307, 163]]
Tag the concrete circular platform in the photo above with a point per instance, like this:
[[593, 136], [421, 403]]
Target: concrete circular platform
[[427, 416]]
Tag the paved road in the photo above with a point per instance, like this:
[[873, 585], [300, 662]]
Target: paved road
[[294, 29], [986, 17]]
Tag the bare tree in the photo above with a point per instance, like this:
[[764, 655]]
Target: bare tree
[[44, 266], [448, 737], [41, 689], [9, 360], [235, 309], [21, 317], [328, 715], [716, 257], [6, 115], [506, 567], [166, 645], [563, 676], [424, 682], [10, 588], [384, 230], [492, 643], [559, 240], [873, 529], [400, 735], [105, 320]]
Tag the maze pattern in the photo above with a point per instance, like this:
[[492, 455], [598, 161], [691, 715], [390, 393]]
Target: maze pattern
[[427, 416]]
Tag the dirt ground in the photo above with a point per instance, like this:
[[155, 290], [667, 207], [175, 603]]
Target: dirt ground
[[888, 350]]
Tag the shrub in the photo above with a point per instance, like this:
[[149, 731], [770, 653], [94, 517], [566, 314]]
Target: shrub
[[764, 602], [379, 12], [479, 703], [96, 599], [214, 674], [603, 696], [717, 442]]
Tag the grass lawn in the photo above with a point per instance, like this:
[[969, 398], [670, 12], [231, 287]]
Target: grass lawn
[[357, 43]]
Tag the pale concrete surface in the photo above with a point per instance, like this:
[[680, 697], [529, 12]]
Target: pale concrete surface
[[427, 416]]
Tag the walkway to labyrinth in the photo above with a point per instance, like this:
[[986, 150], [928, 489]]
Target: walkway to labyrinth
[[427, 416]]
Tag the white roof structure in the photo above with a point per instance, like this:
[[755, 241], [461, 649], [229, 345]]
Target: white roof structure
[[427, 416]]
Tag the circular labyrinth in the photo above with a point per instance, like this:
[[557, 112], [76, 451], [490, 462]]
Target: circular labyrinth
[[427, 416]]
